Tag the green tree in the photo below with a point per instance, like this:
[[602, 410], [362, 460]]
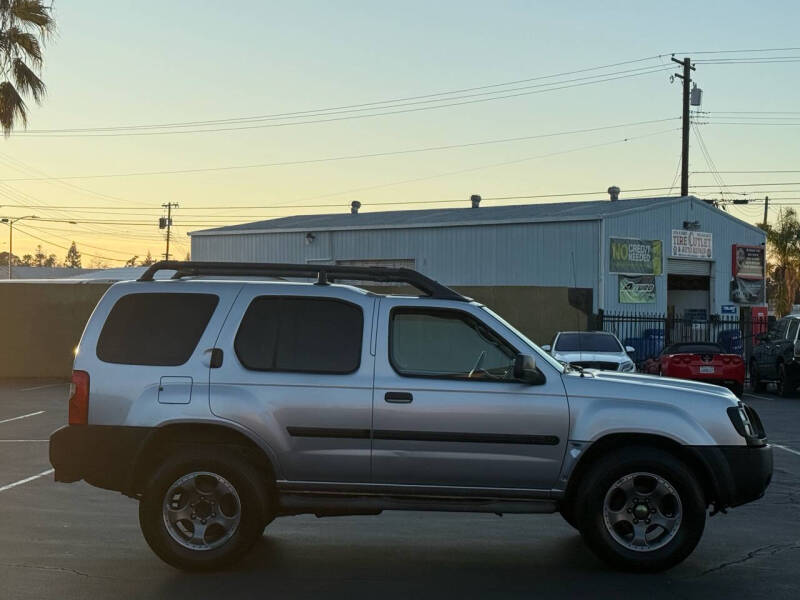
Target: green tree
[[131, 262], [39, 257], [50, 261], [783, 246], [24, 26], [27, 260], [73, 258], [4, 259], [147, 260]]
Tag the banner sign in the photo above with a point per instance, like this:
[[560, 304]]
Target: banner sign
[[691, 244], [637, 289], [747, 262], [635, 256], [747, 291]]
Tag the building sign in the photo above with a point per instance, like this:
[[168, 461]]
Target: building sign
[[637, 289], [747, 262], [747, 270], [635, 256], [691, 244]]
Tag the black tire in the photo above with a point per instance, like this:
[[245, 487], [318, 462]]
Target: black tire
[[600, 481], [254, 507], [786, 383], [756, 384]]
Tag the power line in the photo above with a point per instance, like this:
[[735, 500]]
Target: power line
[[50, 243], [340, 108], [342, 118], [752, 172], [345, 157]]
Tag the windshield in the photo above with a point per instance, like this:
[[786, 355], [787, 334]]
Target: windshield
[[587, 342], [539, 352]]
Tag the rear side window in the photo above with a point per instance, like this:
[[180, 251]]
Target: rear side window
[[155, 329], [311, 335]]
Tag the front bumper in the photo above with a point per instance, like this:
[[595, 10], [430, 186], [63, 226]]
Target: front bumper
[[101, 455], [741, 473]]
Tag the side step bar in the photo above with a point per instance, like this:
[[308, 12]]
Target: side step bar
[[325, 505]]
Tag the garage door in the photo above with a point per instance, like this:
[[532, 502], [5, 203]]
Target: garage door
[[688, 267]]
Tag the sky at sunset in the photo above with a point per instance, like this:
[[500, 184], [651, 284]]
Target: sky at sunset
[[115, 67]]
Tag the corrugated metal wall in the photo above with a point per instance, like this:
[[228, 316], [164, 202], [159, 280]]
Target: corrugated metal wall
[[512, 254], [657, 224]]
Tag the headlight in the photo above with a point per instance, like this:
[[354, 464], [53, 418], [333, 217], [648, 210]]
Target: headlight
[[627, 366]]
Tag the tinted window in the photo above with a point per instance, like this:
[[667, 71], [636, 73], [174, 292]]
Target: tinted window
[[446, 343], [155, 329], [781, 328], [313, 335], [792, 332], [694, 349], [587, 342]]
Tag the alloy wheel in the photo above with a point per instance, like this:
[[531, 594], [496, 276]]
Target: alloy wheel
[[642, 512], [202, 511]]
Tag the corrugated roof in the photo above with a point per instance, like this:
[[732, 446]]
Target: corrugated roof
[[443, 217]]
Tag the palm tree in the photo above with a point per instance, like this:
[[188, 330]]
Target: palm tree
[[24, 26], [783, 240]]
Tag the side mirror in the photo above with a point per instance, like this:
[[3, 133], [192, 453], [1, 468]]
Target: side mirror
[[546, 347], [630, 349], [525, 370]]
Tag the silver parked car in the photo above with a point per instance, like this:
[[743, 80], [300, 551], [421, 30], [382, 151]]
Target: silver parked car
[[591, 350], [222, 404]]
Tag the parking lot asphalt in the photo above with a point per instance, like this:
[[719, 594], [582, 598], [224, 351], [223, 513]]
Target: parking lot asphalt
[[74, 541]]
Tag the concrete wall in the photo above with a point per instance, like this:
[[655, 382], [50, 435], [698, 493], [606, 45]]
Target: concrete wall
[[41, 325], [42, 322]]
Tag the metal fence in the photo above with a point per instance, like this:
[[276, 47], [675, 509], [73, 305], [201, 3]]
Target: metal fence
[[648, 333]]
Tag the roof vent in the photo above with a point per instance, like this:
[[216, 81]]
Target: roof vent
[[354, 206], [476, 200], [613, 191]]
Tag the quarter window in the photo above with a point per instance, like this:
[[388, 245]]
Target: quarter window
[[155, 329], [312, 335], [447, 343]]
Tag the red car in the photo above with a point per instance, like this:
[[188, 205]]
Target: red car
[[700, 361]]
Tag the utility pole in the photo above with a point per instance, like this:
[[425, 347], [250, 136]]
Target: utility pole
[[766, 209], [166, 223], [687, 78]]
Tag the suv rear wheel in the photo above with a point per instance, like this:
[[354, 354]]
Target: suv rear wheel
[[204, 509], [786, 383], [641, 509], [755, 379]]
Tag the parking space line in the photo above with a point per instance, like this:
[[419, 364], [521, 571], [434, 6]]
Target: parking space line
[[41, 387], [793, 451], [26, 480], [33, 414], [21, 441], [759, 396]]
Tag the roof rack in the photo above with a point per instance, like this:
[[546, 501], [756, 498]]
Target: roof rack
[[324, 274]]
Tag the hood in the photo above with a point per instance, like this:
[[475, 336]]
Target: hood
[[617, 357], [639, 386]]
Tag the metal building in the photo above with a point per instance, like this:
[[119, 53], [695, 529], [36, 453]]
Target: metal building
[[650, 255]]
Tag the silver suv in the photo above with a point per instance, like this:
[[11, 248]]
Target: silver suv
[[222, 404]]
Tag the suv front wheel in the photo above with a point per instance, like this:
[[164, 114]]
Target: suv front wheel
[[204, 509], [641, 509]]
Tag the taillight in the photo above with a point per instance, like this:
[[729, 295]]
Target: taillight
[[79, 398], [726, 360]]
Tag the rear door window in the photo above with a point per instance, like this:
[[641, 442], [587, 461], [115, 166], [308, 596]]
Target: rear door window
[[155, 329], [304, 335]]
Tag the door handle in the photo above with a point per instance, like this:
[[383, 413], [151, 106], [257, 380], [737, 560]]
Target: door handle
[[398, 397]]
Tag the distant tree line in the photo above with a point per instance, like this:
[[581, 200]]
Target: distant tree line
[[72, 260]]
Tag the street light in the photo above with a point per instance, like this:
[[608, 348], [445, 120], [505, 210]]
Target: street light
[[10, 222]]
